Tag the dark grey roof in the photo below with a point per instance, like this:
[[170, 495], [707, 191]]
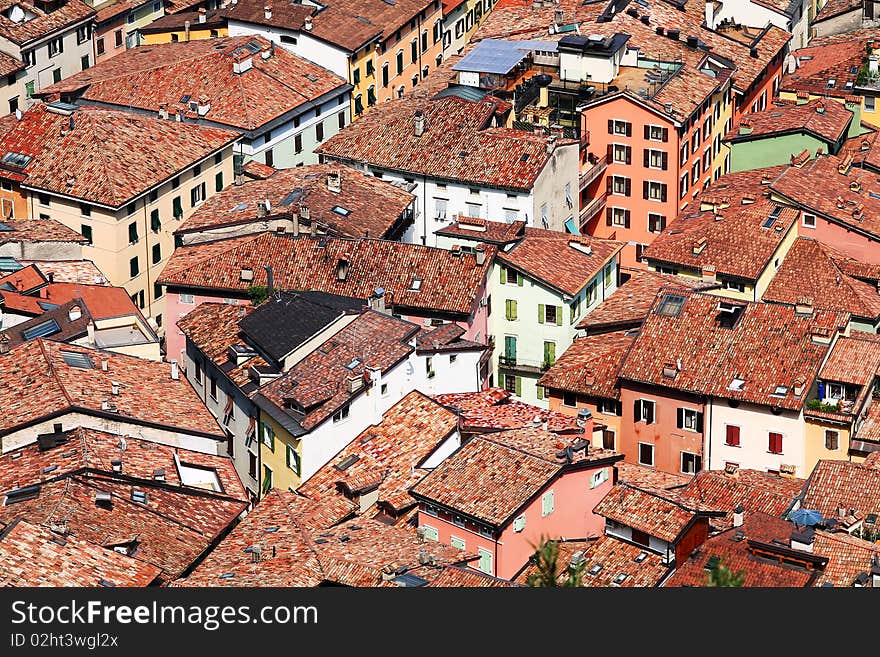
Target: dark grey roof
[[288, 319]]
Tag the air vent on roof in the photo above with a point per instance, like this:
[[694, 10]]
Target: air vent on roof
[[103, 499]]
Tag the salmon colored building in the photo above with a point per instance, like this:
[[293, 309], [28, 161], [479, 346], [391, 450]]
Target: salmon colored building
[[500, 494]]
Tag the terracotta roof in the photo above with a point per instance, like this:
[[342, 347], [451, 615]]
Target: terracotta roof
[[852, 360], [589, 366], [365, 205], [825, 120], [821, 62], [754, 490], [735, 552], [71, 164], [65, 328], [103, 302], [491, 477], [608, 558], [650, 479], [820, 187], [834, 8], [847, 557], [870, 427], [301, 544], [27, 280], [38, 230], [629, 304], [483, 230], [457, 143], [657, 516], [10, 64], [70, 271], [388, 455], [448, 282], [348, 24], [113, 9], [176, 21], [445, 338], [42, 24], [213, 328], [854, 486], [768, 346], [493, 409], [317, 386], [734, 241], [811, 270], [458, 577], [21, 304], [538, 255], [148, 76], [258, 170], [33, 556], [147, 394]]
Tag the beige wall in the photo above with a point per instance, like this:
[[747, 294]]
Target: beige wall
[[111, 250], [549, 188]]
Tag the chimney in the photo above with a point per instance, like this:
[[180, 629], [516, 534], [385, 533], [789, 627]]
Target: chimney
[[342, 266], [159, 475], [186, 30], [709, 274], [355, 382], [745, 126], [270, 279], [163, 110], [116, 465], [237, 168], [558, 17], [203, 14], [104, 362], [4, 344], [820, 107], [480, 254], [175, 370], [242, 62], [74, 313], [584, 416], [551, 144], [334, 181], [377, 300], [804, 306], [700, 245], [802, 98], [267, 10], [114, 387], [103, 499], [419, 123], [798, 388], [738, 516], [803, 540], [375, 374], [709, 13], [308, 24], [204, 106]]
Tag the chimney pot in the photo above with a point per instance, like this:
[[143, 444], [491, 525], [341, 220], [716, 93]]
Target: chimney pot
[[268, 11], [175, 370], [738, 516]]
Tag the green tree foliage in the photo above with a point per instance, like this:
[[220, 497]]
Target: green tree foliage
[[258, 294], [720, 574], [549, 572]]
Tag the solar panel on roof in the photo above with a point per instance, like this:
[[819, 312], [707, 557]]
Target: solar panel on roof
[[77, 359], [409, 580], [292, 197], [8, 263], [41, 330], [254, 46], [338, 209]]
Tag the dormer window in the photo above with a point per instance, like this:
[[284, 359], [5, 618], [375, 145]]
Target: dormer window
[[415, 285]]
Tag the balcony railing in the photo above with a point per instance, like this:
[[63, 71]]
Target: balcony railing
[[593, 208], [593, 172], [523, 365]]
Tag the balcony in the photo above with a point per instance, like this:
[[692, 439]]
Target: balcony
[[517, 364], [593, 208], [593, 172]]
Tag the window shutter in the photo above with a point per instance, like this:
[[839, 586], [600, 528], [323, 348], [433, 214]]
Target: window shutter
[[664, 164], [628, 187], [502, 274], [609, 184], [610, 126], [699, 422], [680, 419], [665, 134], [626, 214], [629, 129], [558, 315], [732, 435], [645, 189], [513, 309], [519, 279], [647, 154], [507, 309], [608, 219], [430, 533], [628, 154], [519, 386], [540, 390], [637, 410], [647, 132], [663, 192], [540, 313], [610, 152], [649, 413]]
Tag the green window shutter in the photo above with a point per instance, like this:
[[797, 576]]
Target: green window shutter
[[519, 279], [485, 561], [178, 207], [513, 309], [218, 182], [430, 533], [540, 390], [540, 313], [547, 503], [519, 386], [519, 523], [549, 352], [558, 315], [155, 223], [502, 273], [456, 542], [507, 314]]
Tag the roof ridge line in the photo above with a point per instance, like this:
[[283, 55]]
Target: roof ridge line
[[53, 373]]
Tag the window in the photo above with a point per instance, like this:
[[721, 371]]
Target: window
[[519, 523], [683, 156], [267, 478], [620, 153], [655, 159], [130, 18], [683, 186], [356, 76], [118, 38], [569, 399], [734, 286], [549, 353], [775, 446], [44, 200], [269, 157], [809, 220], [158, 291], [197, 169], [513, 384], [414, 50], [609, 407], [177, 207], [599, 477], [549, 314], [869, 103], [691, 463], [218, 181], [732, 436], [399, 62], [341, 414], [643, 410], [197, 195], [707, 127], [690, 419], [188, 299], [267, 436], [319, 131], [86, 232], [157, 253], [654, 191], [510, 310], [617, 217], [29, 88], [646, 454], [293, 459], [456, 542], [29, 57], [132, 233], [473, 209], [440, 208], [608, 437], [84, 62], [617, 127], [707, 159], [13, 104], [56, 46], [656, 133], [832, 439], [547, 503], [620, 185], [133, 267], [695, 173], [175, 182], [213, 387], [297, 144], [385, 74], [656, 223]]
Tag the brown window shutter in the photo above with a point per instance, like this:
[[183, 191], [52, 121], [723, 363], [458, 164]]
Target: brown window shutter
[[609, 185], [663, 192], [647, 132], [665, 161], [610, 152], [665, 134], [610, 126], [645, 189], [629, 129], [647, 157], [626, 218], [628, 185], [628, 154], [607, 216]]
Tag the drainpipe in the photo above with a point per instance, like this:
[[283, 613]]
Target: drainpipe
[[707, 435], [148, 293], [424, 210]]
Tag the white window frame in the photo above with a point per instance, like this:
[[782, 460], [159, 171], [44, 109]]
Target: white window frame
[[614, 151], [689, 416], [618, 217], [659, 129], [652, 152], [655, 184], [651, 464], [187, 299], [807, 224], [619, 127], [681, 462]]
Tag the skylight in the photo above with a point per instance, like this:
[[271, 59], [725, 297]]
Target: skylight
[[240, 206], [620, 579], [416, 284], [353, 364], [671, 305], [831, 83], [736, 385], [13, 159], [641, 557], [338, 209], [595, 569], [781, 391], [76, 359], [41, 330], [347, 462]]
